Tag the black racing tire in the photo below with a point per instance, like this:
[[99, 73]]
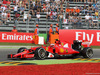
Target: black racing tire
[[21, 49], [40, 53], [87, 52]]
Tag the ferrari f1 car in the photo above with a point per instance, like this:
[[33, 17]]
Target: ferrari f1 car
[[55, 50]]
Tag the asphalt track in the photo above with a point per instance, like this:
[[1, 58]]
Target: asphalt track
[[5, 51]]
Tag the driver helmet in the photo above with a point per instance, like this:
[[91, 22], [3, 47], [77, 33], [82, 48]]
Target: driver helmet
[[57, 41]]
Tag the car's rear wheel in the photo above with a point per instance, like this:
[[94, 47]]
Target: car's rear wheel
[[21, 49], [40, 53], [87, 52]]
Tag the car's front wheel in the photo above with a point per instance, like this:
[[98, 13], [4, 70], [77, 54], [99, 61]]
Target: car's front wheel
[[40, 53], [21, 49]]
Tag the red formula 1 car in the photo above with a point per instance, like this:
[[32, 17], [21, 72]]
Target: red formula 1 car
[[55, 51]]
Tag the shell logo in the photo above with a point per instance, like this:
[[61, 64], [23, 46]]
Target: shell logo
[[61, 50]]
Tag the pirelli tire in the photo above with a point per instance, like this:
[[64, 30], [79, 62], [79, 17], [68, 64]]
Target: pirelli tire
[[87, 52], [40, 53], [21, 49]]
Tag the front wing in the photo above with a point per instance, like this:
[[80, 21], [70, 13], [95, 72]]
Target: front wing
[[21, 56]]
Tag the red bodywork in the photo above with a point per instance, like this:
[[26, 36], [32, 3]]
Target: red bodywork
[[59, 48]]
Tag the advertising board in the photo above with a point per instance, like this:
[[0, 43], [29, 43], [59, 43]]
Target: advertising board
[[93, 36], [16, 37]]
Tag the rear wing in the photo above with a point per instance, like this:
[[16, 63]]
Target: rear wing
[[86, 44]]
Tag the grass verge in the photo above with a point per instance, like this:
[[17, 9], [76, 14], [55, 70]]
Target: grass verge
[[19, 44], [48, 62]]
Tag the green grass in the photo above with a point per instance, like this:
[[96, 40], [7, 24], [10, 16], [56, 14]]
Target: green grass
[[62, 61], [49, 62], [95, 47], [6, 65], [20, 44]]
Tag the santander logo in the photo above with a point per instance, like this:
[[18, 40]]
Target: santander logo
[[15, 36]]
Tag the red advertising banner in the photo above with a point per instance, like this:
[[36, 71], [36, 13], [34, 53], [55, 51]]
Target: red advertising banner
[[16, 37], [91, 35]]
